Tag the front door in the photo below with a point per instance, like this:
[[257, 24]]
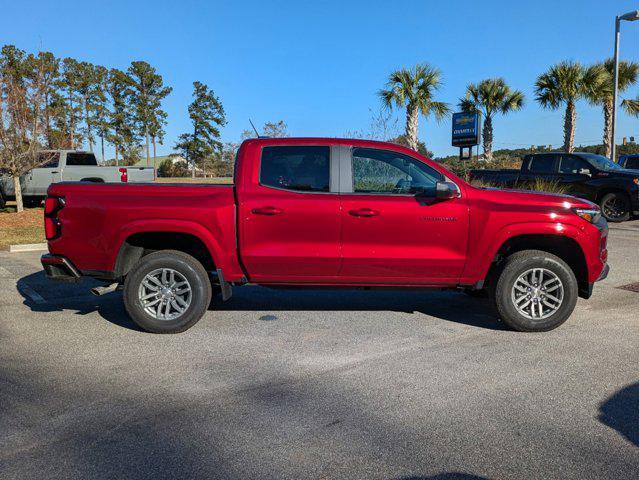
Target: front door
[[575, 174], [290, 222], [394, 230]]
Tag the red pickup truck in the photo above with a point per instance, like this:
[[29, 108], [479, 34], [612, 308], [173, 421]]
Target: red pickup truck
[[326, 212]]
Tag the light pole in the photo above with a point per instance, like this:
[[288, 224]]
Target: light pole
[[630, 17]]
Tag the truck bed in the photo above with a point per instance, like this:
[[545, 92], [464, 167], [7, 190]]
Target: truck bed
[[98, 216]]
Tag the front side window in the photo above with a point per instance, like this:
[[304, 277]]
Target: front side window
[[48, 159], [572, 165], [542, 164], [300, 168], [632, 163], [388, 172]]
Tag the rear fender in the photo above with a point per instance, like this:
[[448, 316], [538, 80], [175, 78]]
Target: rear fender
[[177, 226]]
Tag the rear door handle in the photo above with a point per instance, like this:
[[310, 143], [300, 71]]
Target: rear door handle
[[267, 211], [364, 212]]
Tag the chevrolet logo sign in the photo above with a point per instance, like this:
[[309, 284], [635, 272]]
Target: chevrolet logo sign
[[465, 120]]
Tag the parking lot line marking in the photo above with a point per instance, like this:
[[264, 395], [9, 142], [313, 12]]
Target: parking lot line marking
[[4, 273], [32, 294]]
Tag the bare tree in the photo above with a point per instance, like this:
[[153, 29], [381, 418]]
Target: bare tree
[[22, 125]]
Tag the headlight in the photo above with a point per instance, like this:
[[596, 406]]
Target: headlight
[[591, 215]]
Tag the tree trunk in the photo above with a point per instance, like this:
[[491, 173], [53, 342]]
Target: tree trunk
[[148, 156], [193, 169], [116, 155], [412, 117], [570, 122], [607, 137], [488, 138], [17, 188], [71, 124], [102, 142], [47, 119], [155, 162], [86, 119]]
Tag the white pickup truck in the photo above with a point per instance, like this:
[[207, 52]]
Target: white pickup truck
[[69, 165]]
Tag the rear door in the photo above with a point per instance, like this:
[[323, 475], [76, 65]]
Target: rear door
[[542, 166], [290, 221], [80, 166], [394, 230]]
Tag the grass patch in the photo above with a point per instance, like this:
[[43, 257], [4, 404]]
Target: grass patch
[[19, 228], [212, 180]]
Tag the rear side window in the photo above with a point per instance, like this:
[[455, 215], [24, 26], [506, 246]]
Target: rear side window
[[301, 168], [81, 159], [542, 164]]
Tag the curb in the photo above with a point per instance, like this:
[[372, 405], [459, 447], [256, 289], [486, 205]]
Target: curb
[[27, 247]]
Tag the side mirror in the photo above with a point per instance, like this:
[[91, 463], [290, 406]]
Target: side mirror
[[447, 190], [584, 171]]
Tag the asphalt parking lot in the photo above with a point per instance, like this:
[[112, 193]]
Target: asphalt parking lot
[[317, 384]]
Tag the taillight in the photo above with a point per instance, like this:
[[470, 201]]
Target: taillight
[[52, 226], [124, 176]]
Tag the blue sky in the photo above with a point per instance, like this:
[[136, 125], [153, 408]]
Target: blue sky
[[318, 64]]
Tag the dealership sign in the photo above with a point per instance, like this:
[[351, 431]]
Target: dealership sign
[[466, 129]]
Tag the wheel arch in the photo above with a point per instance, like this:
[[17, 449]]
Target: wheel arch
[[564, 247], [137, 243]]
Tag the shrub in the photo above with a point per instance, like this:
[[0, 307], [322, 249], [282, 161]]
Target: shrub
[[169, 169]]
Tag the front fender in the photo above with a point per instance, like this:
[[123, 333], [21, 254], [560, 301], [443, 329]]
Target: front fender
[[481, 257]]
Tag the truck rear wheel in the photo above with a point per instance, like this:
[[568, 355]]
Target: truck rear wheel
[[535, 292], [167, 292]]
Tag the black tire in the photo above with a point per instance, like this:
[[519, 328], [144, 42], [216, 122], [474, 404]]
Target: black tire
[[516, 265], [185, 265], [3, 202], [615, 207]]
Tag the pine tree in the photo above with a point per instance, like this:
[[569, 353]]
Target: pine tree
[[68, 84], [121, 119], [148, 93], [207, 115]]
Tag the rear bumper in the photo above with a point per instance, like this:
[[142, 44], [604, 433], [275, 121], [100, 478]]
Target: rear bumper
[[60, 268]]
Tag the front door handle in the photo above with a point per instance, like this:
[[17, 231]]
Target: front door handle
[[364, 212], [267, 211]]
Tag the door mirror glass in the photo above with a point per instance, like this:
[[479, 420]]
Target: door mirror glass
[[447, 190]]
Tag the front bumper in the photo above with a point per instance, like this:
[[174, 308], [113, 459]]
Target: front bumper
[[588, 292], [59, 268]]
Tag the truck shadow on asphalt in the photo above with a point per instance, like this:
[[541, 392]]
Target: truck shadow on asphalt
[[42, 295], [621, 412]]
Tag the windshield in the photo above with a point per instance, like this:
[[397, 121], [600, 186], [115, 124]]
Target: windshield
[[601, 162]]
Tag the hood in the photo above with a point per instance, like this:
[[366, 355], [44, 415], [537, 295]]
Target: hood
[[529, 197]]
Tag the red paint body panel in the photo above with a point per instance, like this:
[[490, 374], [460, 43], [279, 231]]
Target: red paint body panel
[[274, 236]]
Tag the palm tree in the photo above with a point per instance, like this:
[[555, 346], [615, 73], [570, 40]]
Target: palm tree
[[631, 107], [414, 89], [565, 83], [603, 91], [489, 97]]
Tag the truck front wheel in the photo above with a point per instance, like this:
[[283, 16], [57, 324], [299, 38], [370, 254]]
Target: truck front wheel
[[167, 292], [535, 292]]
